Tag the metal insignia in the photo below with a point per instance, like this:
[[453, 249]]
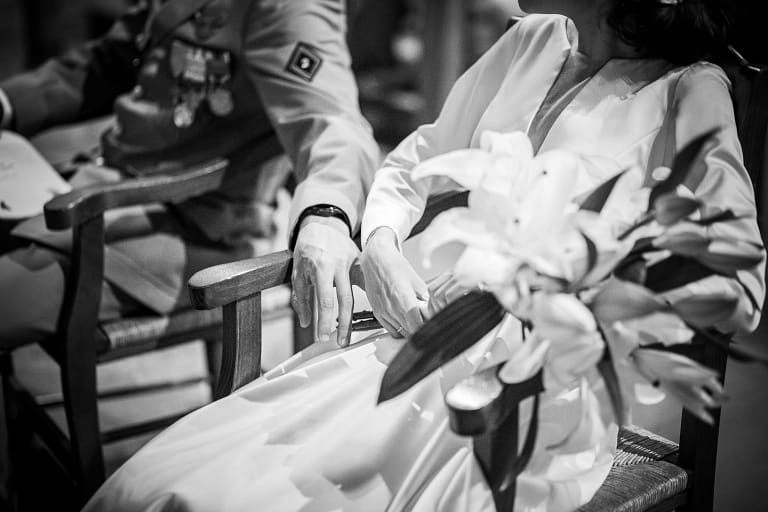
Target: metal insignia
[[305, 61]]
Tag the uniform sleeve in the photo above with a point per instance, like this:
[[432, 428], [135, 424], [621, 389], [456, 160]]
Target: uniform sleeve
[[395, 200], [299, 62], [80, 84], [702, 102]]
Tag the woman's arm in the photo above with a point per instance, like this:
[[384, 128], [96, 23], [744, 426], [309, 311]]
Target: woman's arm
[[395, 200], [399, 297], [702, 102]]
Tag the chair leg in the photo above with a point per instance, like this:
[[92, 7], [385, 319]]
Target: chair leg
[[19, 438], [213, 359], [78, 382]]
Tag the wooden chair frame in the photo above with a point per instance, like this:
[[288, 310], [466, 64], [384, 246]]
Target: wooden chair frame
[[237, 288], [74, 346]]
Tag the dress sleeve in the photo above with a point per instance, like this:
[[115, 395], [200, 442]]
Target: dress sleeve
[[702, 102], [395, 200], [80, 84], [299, 63]]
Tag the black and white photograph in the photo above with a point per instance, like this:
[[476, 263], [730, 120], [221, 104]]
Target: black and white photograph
[[383, 255]]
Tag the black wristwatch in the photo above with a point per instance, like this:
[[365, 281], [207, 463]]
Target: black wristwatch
[[320, 210]]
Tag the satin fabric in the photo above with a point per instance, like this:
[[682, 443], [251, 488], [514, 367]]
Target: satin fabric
[[308, 436]]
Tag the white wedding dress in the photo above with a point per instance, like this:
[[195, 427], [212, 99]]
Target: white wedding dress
[[309, 437]]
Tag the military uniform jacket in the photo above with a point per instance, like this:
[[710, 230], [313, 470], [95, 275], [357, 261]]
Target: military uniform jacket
[[245, 79], [254, 72]]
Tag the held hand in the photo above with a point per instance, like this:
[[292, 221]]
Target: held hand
[[443, 289], [395, 291], [323, 257]]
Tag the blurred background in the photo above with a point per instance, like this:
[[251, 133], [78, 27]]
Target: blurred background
[[401, 85]]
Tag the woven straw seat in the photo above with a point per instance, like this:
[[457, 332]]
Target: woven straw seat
[[639, 478], [141, 333]]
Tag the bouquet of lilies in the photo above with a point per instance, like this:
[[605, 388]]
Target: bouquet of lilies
[[589, 271]]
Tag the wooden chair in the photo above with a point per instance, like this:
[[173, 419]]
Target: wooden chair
[[649, 473], [82, 342]]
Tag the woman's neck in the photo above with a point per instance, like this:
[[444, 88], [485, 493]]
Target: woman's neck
[[594, 39]]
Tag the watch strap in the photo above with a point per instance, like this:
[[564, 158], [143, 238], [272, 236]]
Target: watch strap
[[320, 210]]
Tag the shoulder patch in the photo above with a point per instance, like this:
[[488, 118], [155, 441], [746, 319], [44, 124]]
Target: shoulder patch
[[305, 61]]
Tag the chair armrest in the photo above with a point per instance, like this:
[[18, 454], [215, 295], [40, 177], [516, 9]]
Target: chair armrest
[[224, 284], [80, 205]]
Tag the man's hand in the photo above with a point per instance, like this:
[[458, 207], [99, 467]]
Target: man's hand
[[395, 291], [323, 257]]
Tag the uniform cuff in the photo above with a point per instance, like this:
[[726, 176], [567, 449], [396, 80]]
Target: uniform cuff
[[312, 196], [7, 111]]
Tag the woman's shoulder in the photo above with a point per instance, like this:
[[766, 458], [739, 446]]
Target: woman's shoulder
[[540, 25], [703, 77], [540, 28]]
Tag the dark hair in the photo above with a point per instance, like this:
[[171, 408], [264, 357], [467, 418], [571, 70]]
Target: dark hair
[[682, 32]]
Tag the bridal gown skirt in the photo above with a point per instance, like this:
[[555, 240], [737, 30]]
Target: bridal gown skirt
[[309, 437]]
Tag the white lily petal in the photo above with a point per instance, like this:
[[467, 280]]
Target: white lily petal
[[646, 394], [464, 166], [457, 225], [525, 361], [659, 327], [515, 143], [481, 266], [571, 359], [628, 200], [552, 189], [589, 429], [561, 317]]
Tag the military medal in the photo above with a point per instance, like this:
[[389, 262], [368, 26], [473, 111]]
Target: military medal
[[183, 116], [220, 102], [186, 107], [202, 76], [195, 64]]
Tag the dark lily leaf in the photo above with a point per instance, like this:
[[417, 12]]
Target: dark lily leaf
[[524, 457], [671, 208], [612, 386], [642, 245], [739, 352], [591, 253], [446, 335], [673, 272], [705, 310], [633, 271], [681, 166], [591, 261], [598, 197], [724, 216]]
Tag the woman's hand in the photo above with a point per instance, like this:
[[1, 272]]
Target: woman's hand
[[443, 290], [396, 292]]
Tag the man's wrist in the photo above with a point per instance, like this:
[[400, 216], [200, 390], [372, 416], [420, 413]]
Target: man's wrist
[[333, 222], [325, 211]]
